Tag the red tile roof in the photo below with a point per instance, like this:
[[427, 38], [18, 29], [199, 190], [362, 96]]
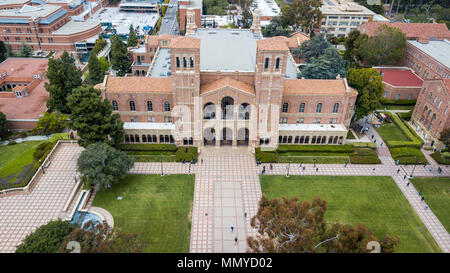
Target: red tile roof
[[227, 81], [138, 85], [315, 87], [278, 43], [23, 67], [400, 77], [411, 30], [184, 42]]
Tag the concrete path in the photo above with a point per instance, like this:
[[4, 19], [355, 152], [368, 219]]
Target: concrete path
[[21, 214]]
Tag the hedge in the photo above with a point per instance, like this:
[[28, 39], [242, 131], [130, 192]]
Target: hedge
[[440, 158], [385, 101], [357, 159], [364, 145], [405, 116], [316, 148], [148, 147], [187, 154], [415, 141]]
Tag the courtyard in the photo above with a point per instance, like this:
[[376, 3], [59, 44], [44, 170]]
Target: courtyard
[[157, 207], [375, 201]]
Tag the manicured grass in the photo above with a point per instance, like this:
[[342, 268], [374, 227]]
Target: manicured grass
[[390, 131], [436, 191], [395, 107], [17, 164], [375, 201], [437, 156], [157, 207]]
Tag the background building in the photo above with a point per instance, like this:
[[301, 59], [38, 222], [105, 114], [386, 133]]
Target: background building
[[400, 83]]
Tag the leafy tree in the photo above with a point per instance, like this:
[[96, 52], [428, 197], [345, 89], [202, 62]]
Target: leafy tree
[[92, 117], [444, 137], [289, 226], [47, 238], [120, 58], [25, 50], [63, 77], [349, 46], [102, 239], [132, 38], [101, 164], [327, 66], [302, 14], [50, 123], [96, 73], [312, 49], [100, 43], [3, 52], [387, 46], [370, 89], [9, 51], [275, 28], [104, 63]]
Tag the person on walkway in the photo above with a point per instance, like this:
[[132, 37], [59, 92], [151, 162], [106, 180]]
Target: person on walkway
[[235, 240], [345, 165], [381, 144], [431, 169], [232, 228], [304, 168], [420, 192], [404, 177], [426, 207], [317, 169], [373, 170], [245, 214], [423, 198], [398, 170], [424, 164], [202, 161], [271, 167], [407, 184], [373, 136], [375, 141]]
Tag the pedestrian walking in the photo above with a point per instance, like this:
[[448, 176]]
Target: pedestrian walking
[[420, 192], [424, 164], [426, 207], [345, 165], [431, 169], [245, 214], [373, 170], [375, 141], [407, 184], [317, 169], [75, 179], [398, 170], [271, 167], [381, 144], [423, 198], [232, 228], [373, 136], [304, 168], [235, 240], [202, 161]]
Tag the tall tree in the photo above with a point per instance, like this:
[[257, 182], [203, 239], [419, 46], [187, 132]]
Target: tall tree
[[63, 77], [120, 58], [101, 164], [132, 38], [47, 238], [275, 28], [327, 66], [96, 73], [290, 226], [386, 47], [302, 15], [2, 123], [3, 52], [368, 82], [25, 50], [101, 238], [50, 123], [312, 49], [349, 46], [92, 117], [445, 137], [99, 45]]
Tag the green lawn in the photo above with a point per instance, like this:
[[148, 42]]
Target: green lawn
[[375, 201], [17, 163], [436, 191], [157, 207], [390, 131]]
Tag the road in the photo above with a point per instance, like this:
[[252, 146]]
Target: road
[[169, 22]]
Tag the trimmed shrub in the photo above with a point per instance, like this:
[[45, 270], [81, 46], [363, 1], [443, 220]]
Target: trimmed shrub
[[364, 145], [268, 157], [441, 158], [357, 159], [415, 140], [12, 142], [43, 149], [187, 154], [316, 148], [148, 147], [405, 116], [385, 101]]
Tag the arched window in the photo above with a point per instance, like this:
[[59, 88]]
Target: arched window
[[166, 106], [132, 106], [184, 62], [277, 63], [336, 108], [266, 63], [191, 61], [115, 105], [178, 61], [285, 107], [149, 106], [302, 107], [319, 108]]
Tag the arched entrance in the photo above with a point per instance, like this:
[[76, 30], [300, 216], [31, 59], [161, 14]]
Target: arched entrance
[[209, 111], [227, 136], [209, 136], [227, 108], [243, 136], [244, 111]]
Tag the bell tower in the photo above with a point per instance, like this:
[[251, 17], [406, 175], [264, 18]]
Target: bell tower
[[256, 23], [191, 27]]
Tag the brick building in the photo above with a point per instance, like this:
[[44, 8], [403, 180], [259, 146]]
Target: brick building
[[431, 114], [193, 5], [227, 87], [22, 93], [400, 83], [46, 27]]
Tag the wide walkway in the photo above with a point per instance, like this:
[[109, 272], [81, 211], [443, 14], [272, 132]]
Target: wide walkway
[[21, 214]]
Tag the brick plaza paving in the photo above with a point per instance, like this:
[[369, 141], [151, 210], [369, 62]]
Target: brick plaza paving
[[21, 214]]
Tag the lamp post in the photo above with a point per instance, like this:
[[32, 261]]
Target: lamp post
[[414, 167], [314, 160], [160, 159]]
